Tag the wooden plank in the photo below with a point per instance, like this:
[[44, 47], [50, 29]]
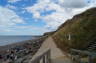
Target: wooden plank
[[37, 60], [49, 57], [91, 55], [44, 59], [84, 52]]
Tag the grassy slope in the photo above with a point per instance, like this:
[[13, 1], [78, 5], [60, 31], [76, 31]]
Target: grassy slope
[[82, 28]]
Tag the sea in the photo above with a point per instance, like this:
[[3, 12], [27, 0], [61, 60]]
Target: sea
[[5, 40]]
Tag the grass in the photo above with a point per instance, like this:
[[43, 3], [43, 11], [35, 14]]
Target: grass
[[82, 28]]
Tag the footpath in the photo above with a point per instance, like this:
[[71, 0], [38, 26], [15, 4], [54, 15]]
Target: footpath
[[57, 56]]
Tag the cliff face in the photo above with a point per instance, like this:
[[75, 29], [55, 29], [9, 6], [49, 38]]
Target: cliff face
[[81, 28]]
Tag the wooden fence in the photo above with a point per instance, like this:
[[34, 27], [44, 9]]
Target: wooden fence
[[44, 58], [76, 55]]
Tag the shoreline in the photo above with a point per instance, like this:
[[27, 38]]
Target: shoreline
[[25, 47], [4, 47], [20, 43]]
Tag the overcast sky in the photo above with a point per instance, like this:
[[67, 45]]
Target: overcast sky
[[34, 17]]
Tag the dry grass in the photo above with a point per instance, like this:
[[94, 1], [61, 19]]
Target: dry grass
[[82, 29]]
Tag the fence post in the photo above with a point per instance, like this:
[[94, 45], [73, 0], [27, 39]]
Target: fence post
[[49, 56], [44, 59], [90, 59], [79, 59], [76, 59]]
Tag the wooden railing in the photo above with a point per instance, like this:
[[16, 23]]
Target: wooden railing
[[44, 58], [76, 55]]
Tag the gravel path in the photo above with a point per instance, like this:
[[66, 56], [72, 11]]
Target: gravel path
[[56, 53]]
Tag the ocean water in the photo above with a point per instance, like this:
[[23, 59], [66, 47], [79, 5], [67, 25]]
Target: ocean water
[[5, 40]]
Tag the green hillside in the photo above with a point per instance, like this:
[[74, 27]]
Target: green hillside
[[82, 29]]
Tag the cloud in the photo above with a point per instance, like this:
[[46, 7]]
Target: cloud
[[75, 3], [65, 9], [52, 20], [9, 17], [56, 19], [23, 30], [93, 3], [11, 6], [13, 1], [61, 13]]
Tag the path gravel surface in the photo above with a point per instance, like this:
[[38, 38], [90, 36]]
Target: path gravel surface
[[57, 55]]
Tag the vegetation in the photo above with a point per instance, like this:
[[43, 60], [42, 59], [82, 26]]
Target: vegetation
[[82, 29], [49, 33]]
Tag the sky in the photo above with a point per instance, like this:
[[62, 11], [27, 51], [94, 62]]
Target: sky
[[35, 17]]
